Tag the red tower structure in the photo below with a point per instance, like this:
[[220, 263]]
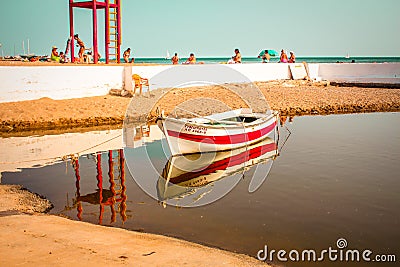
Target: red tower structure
[[112, 27]]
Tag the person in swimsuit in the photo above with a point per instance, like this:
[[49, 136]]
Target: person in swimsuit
[[175, 59], [126, 55], [191, 59], [283, 58], [292, 58], [265, 57], [62, 57], [54, 54], [81, 47], [237, 58]]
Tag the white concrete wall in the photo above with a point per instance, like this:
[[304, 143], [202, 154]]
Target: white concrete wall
[[19, 83], [253, 71], [149, 71], [57, 82], [360, 72], [214, 73], [262, 72]]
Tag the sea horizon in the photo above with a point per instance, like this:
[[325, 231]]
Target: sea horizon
[[308, 59]]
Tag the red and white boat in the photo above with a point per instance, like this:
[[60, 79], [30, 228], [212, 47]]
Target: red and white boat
[[218, 132]]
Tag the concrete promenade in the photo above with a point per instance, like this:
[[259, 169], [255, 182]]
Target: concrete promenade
[[29, 82]]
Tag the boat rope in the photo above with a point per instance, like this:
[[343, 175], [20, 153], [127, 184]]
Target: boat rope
[[102, 143], [204, 117], [190, 112], [65, 157], [287, 137], [277, 134]]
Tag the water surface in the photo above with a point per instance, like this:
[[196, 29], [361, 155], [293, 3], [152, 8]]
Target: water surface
[[336, 177]]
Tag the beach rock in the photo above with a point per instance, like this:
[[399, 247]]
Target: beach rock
[[16, 198]]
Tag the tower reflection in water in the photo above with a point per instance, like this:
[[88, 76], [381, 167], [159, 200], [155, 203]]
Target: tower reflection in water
[[114, 197]]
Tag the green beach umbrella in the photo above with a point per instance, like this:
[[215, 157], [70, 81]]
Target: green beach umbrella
[[271, 52]]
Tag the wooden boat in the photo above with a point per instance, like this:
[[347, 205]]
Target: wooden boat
[[218, 132], [183, 175]]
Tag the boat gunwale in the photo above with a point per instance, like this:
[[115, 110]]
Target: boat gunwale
[[232, 125]]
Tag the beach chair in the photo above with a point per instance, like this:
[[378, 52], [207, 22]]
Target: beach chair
[[139, 83]]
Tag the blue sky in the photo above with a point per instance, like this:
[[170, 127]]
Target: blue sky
[[214, 27]]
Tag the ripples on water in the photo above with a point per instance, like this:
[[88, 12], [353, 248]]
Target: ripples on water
[[336, 177]]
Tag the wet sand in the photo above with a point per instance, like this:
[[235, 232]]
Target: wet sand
[[291, 98], [30, 238]]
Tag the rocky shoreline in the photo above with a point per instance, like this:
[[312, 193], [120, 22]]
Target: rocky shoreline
[[16, 198]]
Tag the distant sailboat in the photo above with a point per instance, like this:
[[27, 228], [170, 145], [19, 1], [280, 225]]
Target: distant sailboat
[[348, 55], [168, 55], [26, 55], [29, 56]]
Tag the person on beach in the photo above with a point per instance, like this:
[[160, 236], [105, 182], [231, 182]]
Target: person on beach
[[81, 47], [237, 58], [292, 58], [54, 54], [67, 47], [191, 59], [62, 57], [88, 58], [126, 55], [283, 58], [175, 59], [265, 57]]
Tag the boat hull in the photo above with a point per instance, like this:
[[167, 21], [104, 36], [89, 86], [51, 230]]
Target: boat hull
[[187, 137]]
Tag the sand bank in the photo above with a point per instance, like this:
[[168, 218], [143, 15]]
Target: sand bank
[[291, 98], [29, 238]]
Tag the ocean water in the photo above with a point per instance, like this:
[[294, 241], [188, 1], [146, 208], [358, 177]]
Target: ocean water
[[216, 60]]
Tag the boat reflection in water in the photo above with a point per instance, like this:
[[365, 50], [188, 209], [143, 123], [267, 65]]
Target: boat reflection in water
[[194, 176], [114, 197]]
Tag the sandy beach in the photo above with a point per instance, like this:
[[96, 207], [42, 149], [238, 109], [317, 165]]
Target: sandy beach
[[291, 98]]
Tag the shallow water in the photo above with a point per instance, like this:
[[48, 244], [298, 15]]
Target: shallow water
[[336, 177]]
